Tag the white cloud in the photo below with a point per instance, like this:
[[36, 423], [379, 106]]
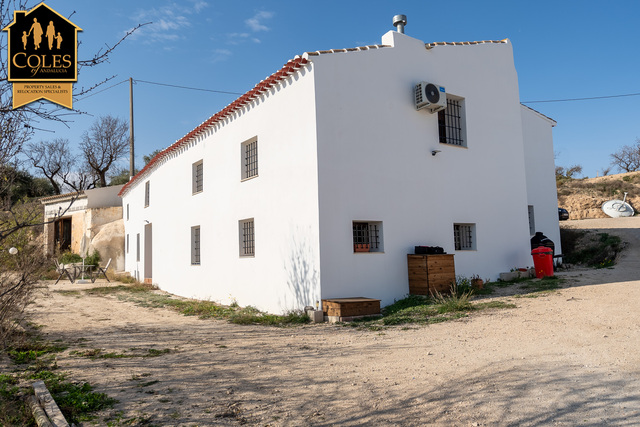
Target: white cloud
[[167, 22], [256, 23], [220, 55]]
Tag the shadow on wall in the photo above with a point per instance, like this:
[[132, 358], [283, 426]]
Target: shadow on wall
[[302, 274]]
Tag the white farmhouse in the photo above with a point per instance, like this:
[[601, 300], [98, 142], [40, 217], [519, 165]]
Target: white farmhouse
[[318, 182]]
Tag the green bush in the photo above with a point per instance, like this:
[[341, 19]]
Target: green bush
[[71, 258]]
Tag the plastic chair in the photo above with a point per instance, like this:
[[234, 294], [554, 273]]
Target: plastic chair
[[101, 270], [62, 270]]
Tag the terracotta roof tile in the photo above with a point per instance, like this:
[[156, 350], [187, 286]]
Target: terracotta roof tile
[[289, 68], [432, 45]]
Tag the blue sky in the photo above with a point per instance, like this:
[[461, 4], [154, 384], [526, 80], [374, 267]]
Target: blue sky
[[563, 49]]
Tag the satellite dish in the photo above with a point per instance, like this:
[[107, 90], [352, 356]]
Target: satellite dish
[[618, 208]]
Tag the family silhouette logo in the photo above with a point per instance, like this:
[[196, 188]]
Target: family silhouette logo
[[43, 56]]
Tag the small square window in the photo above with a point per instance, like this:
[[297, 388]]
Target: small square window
[[250, 159], [464, 237], [367, 236], [146, 194], [197, 170], [195, 245], [247, 238], [451, 122]]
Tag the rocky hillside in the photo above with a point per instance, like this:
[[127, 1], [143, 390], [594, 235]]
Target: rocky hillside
[[583, 198]]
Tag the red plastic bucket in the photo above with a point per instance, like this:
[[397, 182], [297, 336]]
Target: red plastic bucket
[[543, 261]]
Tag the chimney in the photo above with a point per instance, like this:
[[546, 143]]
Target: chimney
[[399, 21]]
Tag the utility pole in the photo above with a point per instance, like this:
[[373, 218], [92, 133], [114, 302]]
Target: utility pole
[[132, 162]]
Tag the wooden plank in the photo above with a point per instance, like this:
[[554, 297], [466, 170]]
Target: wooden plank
[[50, 407], [38, 413]]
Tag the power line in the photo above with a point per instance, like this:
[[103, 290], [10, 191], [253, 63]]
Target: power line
[[159, 84], [100, 91], [187, 87], [582, 99]]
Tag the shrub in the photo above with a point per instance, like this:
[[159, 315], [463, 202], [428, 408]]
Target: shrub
[[71, 258]]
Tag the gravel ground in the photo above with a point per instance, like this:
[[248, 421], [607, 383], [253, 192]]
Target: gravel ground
[[569, 357]]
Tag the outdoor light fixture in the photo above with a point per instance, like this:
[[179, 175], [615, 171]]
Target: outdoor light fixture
[[434, 152]]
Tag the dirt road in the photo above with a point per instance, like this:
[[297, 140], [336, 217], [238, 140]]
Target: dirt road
[[568, 358]]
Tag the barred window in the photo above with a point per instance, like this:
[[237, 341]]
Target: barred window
[[146, 193], [451, 122], [247, 238], [127, 243], [464, 237], [250, 159], [197, 170], [195, 245], [532, 221], [138, 247], [367, 236]]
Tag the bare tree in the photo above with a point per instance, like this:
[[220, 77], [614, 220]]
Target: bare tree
[[104, 144], [627, 158], [19, 276], [563, 173], [53, 159]]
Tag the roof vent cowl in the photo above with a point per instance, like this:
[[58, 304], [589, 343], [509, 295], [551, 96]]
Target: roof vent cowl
[[399, 21]]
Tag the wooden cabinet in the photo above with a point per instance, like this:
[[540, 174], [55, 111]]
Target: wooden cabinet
[[430, 273]]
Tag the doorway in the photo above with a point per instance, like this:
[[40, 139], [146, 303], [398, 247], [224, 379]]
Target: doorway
[[62, 234], [148, 253]]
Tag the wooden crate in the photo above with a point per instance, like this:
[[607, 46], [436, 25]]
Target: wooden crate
[[430, 273], [349, 307]]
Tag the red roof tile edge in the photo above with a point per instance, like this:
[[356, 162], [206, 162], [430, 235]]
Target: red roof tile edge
[[289, 68], [432, 45]]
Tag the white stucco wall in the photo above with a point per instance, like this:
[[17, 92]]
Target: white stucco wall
[[540, 170], [283, 201], [338, 142], [376, 163]]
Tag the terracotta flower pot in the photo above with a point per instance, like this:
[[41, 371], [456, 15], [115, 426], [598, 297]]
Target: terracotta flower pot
[[477, 284]]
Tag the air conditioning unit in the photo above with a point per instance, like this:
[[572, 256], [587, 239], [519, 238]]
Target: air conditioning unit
[[430, 96]]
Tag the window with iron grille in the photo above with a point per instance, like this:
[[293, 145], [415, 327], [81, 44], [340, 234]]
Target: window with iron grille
[[138, 247], [367, 236], [250, 159], [464, 237], [127, 211], [146, 194], [127, 243], [532, 221], [451, 125], [197, 170], [195, 245], [247, 238]]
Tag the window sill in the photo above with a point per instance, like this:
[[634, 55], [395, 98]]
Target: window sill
[[370, 252], [444, 144], [249, 178], [196, 192]]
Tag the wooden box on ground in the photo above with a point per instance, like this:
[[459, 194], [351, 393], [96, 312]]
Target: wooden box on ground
[[345, 308], [430, 273]]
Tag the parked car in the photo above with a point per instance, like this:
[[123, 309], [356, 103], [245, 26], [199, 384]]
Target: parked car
[[563, 214]]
